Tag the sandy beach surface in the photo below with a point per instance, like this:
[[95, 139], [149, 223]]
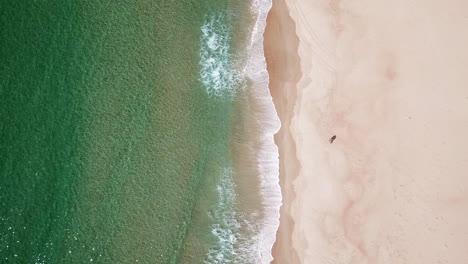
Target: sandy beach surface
[[390, 80]]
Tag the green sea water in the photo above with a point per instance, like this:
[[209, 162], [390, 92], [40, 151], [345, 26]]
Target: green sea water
[[113, 149]]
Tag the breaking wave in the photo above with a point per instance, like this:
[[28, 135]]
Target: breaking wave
[[267, 154], [221, 77], [216, 59]]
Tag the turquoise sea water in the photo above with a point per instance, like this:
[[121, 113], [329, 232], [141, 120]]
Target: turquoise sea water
[[120, 130]]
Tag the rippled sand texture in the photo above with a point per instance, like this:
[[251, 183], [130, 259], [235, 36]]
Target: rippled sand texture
[[390, 80]]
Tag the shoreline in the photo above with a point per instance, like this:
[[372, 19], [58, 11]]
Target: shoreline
[[387, 80], [260, 123], [281, 46]]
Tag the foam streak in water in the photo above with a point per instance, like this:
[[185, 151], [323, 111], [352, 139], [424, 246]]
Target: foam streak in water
[[217, 73], [231, 246]]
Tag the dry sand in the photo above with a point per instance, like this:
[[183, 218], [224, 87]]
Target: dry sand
[[390, 79]]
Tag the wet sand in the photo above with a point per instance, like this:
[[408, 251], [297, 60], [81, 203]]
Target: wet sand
[[390, 80]]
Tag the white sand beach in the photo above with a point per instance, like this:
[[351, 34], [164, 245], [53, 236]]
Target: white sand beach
[[390, 80]]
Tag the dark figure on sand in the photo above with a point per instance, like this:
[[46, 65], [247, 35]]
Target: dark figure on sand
[[332, 139]]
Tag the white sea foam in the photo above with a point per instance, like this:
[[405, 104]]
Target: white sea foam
[[221, 78], [231, 246], [267, 154], [226, 225], [216, 60]]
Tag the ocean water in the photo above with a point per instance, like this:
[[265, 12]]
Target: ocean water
[[136, 132]]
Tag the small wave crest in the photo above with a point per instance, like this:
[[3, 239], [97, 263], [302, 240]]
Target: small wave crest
[[216, 60], [231, 246]]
